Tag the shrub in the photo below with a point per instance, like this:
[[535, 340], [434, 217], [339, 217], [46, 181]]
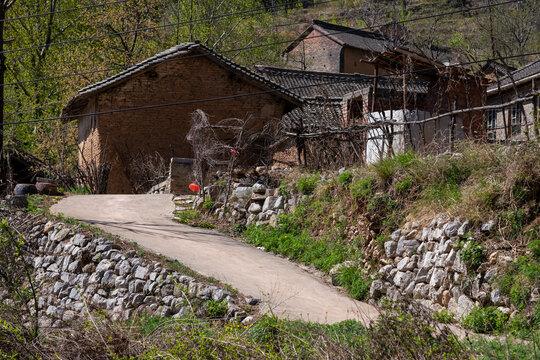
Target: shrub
[[444, 317], [208, 204], [363, 188], [356, 283], [404, 186], [472, 254], [187, 216], [307, 184], [486, 320], [534, 246], [344, 178], [216, 308], [386, 168]]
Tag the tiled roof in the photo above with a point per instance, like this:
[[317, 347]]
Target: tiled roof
[[314, 115], [177, 52], [346, 36], [530, 70], [333, 86]]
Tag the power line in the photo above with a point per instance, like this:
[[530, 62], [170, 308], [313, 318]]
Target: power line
[[98, 37], [227, 97], [247, 12], [62, 11], [265, 44]]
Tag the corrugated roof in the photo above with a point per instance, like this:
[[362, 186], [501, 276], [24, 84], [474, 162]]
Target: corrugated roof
[[179, 51], [530, 70]]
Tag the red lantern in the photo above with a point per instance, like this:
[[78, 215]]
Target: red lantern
[[194, 187]]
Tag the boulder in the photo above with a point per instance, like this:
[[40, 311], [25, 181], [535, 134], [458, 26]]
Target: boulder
[[464, 306], [254, 208], [390, 248]]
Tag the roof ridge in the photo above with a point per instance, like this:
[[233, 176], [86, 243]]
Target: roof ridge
[[316, 73]]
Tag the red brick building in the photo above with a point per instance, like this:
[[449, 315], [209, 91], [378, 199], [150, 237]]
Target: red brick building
[[147, 108]]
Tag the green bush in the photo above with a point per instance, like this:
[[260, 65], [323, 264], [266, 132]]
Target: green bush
[[216, 308], [534, 246], [386, 168], [472, 254], [345, 178], [444, 317], [363, 188], [404, 186], [486, 320], [356, 283], [307, 184], [208, 204]]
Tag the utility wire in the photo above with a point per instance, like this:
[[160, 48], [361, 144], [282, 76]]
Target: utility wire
[[259, 45], [196, 101], [62, 11], [210, 18]]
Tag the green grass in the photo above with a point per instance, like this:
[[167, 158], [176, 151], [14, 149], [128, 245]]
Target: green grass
[[354, 281], [486, 320]]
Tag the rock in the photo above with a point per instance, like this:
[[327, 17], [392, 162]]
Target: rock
[[406, 246], [254, 208], [450, 259], [74, 294], [437, 278], [486, 227], [496, 297], [450, 229], [61, 235], [464, 306], [423, 275], [136, 286], [141, 272], [123, 268], [104, 265], [390, 248], [459, 266], [428, 260], [464, 228], [405, 264], [103, 248], [421, 291], [79, 240], [385, 271], [252, 301], [377, 289], [396, 235], [269, 203], [403, 279], [74, 266], [247, 320], [445, 297]]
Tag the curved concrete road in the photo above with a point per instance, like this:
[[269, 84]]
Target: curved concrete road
[[287, 289]]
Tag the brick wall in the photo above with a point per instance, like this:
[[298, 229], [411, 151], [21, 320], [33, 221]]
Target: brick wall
[[163, 129], [315, 53]]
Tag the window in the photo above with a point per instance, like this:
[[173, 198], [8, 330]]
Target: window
[[491, 124], [515, 120]]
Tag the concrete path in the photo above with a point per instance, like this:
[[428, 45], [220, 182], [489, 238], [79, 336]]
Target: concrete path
[[285, 288]]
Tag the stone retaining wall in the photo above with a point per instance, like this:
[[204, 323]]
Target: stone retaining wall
[[76, 273]]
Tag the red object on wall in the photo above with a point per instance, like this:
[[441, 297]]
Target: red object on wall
[[194, 187]]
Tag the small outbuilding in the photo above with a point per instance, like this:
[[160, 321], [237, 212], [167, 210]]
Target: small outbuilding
[[147, 109]]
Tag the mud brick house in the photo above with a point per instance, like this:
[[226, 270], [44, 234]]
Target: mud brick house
[[334, 48], [520, 92], [147, 108], [339, 102]]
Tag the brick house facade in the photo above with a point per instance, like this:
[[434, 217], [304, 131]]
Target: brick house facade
[[334, 48], [520, 120], [162, 93]]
